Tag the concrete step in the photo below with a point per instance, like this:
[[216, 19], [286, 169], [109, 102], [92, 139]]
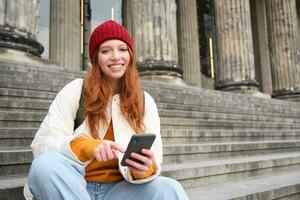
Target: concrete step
[[203, 172], [15, 160], [20, 104], [179, 94], [11, 187], [173, 135], [41, 105], [222, 109], [27, 94], [12, 119], [179, 153], [36, 73], [12, 137], [31, 119], [274, 186], [220, 99], [225, 116], [224, 124]]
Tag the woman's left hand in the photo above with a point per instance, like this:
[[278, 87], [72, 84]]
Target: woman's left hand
[[145, 158]]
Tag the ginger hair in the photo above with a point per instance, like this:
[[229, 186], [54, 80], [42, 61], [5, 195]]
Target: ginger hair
[[98, 92]]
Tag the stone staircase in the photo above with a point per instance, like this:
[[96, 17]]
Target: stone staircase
[[218, 145]]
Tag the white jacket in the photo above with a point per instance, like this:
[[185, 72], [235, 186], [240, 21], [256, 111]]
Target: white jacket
[[57, 129]]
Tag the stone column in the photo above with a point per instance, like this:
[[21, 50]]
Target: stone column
[[65, 33], [284, 48], [188, 51], [154, 33], [127, 14], [261, 46], [18, 26], [236, 70]]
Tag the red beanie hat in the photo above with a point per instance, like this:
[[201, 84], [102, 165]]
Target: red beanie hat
[[107, 31]]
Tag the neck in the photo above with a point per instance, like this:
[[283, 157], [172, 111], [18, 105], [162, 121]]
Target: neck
[[115, 86]]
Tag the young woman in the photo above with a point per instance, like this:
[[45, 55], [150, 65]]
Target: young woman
[[85, 163]]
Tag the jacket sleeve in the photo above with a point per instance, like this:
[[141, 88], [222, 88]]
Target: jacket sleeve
[[57, 128], [152, 124]]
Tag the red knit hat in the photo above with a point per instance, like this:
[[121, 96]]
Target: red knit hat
[[107, 31]]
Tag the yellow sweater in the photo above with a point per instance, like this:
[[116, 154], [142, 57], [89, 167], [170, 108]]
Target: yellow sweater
[[104, 172]]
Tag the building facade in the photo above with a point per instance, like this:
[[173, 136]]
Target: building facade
[[236, 45]]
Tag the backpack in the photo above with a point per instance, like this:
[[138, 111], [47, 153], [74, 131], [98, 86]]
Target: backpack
[[79, 115]]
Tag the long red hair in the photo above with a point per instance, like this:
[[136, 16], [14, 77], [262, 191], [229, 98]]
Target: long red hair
[[98, 92]]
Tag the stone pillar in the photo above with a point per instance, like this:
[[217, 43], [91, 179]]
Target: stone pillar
[[261, 46], [188, 51], [236, 70], [154, 33], [65, 33], [284, 48], [86, 31], [127, 14], [18, 26]]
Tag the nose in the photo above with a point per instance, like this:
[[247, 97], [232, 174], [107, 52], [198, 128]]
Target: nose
[[115, 55]]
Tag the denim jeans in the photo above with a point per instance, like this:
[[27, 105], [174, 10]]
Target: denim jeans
[[54, 176]]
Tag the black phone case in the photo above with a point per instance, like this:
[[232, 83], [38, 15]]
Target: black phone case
[[136, 144]]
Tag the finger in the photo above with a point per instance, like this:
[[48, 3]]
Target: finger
[[142, 158], [147, 152], [103, 153], [116, 153], [117, 147], [109, 153], [137, 166], [97, 155]]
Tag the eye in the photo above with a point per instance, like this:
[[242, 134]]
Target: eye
[[104, 51], [124, 49]]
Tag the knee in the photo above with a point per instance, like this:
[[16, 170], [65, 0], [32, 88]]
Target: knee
[[170, 187], [44, 166], [165, 182]]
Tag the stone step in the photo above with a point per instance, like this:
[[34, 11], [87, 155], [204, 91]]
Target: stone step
[[30, 86], [204, 172], [179, 94], [224, 124], [220, 99], [217, 109], [178, 153], [274, 186], [15, 160], [21, 119], [13, 137], [173, 135], [11, 187], [224, 116], [33, 119], [36, 73], [39, 105], [27, 94], [20, 104], [23, 136]]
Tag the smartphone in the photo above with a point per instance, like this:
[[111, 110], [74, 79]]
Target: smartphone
[[136, 144]]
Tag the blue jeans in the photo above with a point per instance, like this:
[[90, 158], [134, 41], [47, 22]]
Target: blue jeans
[[54, 176]]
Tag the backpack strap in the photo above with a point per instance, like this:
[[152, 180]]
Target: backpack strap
[[80, 112]]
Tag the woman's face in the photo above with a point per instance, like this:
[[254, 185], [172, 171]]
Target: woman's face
[[113, 59]]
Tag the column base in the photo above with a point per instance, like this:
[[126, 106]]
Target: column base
[[291, 95], [238, 86], [15, 39], [161, 71]]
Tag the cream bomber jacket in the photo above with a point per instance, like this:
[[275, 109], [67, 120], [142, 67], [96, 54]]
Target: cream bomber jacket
[[57, 129]]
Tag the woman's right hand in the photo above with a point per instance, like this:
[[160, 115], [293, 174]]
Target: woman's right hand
[[107, 150]]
